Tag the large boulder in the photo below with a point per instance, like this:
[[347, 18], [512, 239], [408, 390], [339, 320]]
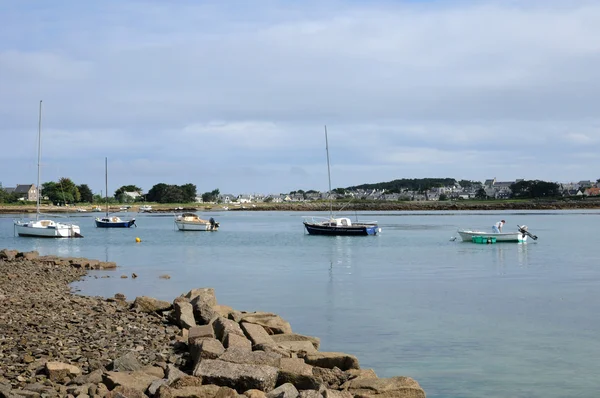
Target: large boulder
[[137, 380], [205, 349], [241, 377], [298, 346], [278, 338], [223, 327], [200, 332], [331, 360], [393, 387], [183, 313], [273, 323], [286, 390], [149, 304], [297, 372], [8, 255], [256, 333], [240, 355], [206, 294]]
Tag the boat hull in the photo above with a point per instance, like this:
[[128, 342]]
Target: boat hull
[[47, 229], [115, 224], [467, 236], [353, 230], [196, 226]]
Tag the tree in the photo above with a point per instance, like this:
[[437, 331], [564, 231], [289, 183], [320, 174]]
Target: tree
[[212, 196], [443, 196], [156, 193], [86, 193], [173, 194], [189, 193], [268, 199], [481, 194], [535, 189]]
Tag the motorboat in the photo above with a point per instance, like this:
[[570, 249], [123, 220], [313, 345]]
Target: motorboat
[[191, 222], [112, 221], [520, 235], [341, 226]]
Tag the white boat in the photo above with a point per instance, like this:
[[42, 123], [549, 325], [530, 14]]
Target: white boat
[[44, 228], [145, 208], [191, 222], [97, 209], [519, 236]]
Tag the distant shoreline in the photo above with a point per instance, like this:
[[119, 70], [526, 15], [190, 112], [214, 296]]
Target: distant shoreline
[[491, 205]]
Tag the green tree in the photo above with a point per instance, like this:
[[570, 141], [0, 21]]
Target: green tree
[[481, 194], [443, 197], [212, 196], [86, 193], [156, 193], [173, 194], [189, 193], [534, 189], [127, 188]]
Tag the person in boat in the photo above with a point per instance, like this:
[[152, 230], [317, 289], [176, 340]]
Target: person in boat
[[497, 228]]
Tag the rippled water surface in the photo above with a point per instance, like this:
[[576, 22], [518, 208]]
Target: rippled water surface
[[464, 320]]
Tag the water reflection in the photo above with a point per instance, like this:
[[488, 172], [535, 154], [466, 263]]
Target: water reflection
[[508, 255]]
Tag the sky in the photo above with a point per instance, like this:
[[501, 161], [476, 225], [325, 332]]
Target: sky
[[235, 95]]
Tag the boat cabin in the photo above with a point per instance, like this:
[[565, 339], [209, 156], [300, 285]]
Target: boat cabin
[[340, 222]]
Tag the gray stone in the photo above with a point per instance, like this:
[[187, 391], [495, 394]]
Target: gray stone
[[200, 332], [240, 355], [332, 359], [316, 342], [205, 349], [150, 304], [298, 346], [206, 294], [57, 371], [137, 380], [241, 377], [183, 313], [272, 323], [297, 372], [286, 390], [235, 340], [393, 387], [256, 333], [223, 326], [125, 363]]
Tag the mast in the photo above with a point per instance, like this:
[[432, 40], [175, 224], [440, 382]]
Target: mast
[[106, 182], [328, 175], [39, 189]]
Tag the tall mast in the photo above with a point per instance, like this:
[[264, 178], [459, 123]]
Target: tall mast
[[106, 182], [39, 189], [328, 175]]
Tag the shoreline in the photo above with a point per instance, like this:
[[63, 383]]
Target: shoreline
[[54, 342], [459, 205]]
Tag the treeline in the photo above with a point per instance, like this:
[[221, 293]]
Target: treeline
[[65, 191], [415, 184]]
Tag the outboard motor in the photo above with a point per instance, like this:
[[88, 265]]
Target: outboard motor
[[212, 223], [523, 230]]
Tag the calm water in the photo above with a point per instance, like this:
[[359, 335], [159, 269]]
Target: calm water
[[464, 320]]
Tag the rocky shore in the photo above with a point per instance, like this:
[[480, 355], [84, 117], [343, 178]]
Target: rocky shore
[[456, 205], [57, 344]]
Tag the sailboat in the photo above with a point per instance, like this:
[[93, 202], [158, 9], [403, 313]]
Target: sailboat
[[111, 221], [340, 226], [44, 228]]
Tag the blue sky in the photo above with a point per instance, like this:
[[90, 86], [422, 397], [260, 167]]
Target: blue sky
[[234, 95]]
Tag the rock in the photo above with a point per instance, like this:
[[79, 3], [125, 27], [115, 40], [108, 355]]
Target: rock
[[297, 372], [200, 332], [278, 338], [137, 380], [328, 393], [286, 390], [235, 340], [183, 313], [164, 276], [393, 387], [206, 294], [226, 392], [310, 394], [332, 378], [32, 255], [332, 359], [187, 381], [208, 391], [273, 348], [203, 312], [297, 346], [57, 371], [205, 349], [8, 255], [255, 394], [223, 310], [127, 362], [125, 392], [364, 373], [256, 333], [149, 304], [223, 327], [241, 377], [155, 385], [240, 355], [272, 323], [172, 373]]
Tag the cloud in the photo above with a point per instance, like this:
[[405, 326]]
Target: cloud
[[407, 89]]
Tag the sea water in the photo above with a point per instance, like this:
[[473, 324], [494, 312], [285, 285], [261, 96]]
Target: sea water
[[463, 319]]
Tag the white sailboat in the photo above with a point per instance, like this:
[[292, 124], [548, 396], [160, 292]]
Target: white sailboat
[[44, 228]]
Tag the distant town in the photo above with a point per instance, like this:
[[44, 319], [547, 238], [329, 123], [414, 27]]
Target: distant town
[[428, 189]]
